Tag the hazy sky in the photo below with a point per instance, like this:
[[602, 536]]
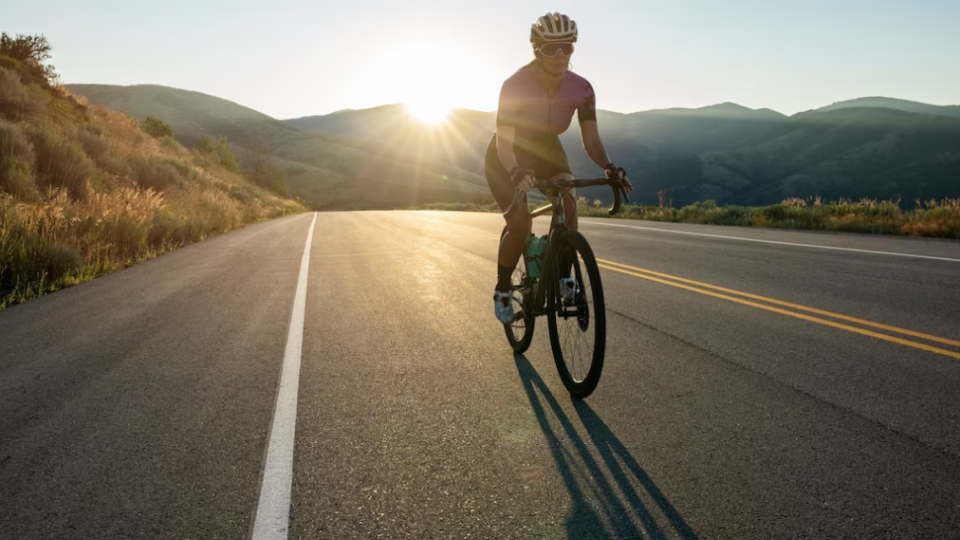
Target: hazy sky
[[290, 59]]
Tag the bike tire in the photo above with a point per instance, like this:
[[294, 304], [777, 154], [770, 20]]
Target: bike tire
[[520, 333], [567, 350]]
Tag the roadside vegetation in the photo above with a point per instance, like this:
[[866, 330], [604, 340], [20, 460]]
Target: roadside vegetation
[[932, 218], [85, 191]]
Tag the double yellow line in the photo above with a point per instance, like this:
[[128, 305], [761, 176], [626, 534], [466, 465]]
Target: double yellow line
[[732, 296], [800, 311]]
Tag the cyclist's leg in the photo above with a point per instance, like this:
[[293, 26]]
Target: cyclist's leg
[[515, 232]]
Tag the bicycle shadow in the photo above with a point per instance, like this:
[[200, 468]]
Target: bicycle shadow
[[636, 518]]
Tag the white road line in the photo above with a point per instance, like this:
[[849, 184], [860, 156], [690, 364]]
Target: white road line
[[273, 510], [654, 229]]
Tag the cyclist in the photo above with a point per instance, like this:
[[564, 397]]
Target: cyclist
[[537, 105]]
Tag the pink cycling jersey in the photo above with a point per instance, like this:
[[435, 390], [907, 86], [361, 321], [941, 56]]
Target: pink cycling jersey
[[525, 104]]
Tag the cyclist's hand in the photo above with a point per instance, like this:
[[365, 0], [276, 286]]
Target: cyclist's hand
[[612, 171], [522, 178]]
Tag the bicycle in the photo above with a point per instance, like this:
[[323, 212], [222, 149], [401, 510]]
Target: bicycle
[[568, 291]]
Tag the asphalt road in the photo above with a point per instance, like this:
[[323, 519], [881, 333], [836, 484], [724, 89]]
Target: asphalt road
[[800, 386]]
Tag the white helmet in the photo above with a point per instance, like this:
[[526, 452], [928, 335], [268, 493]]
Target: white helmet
[[553, 27]]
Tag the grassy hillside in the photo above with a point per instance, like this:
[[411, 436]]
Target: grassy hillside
[[84, 191], [325, 170], [191, 114]]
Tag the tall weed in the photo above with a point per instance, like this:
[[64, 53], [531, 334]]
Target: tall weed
[[84, 191]]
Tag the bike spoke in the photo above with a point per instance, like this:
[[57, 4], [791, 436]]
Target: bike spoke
[[578, 344]]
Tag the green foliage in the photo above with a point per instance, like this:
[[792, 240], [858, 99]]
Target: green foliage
[[153, 172], [156, 128], [28, 55], [204, 146], [219, 151], [227, 160], [60, 160], [19, 101], [16, 162]]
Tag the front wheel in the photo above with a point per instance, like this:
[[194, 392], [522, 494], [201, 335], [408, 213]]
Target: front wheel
[[576, 315]]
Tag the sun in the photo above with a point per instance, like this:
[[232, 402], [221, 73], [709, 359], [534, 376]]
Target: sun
[[428, 112]]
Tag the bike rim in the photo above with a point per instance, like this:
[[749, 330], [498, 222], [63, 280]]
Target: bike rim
[[520, 289], [577, 333]]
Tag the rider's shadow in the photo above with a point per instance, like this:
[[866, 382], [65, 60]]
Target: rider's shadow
[[602, 509]]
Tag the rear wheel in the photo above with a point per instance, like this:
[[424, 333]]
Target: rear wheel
[[577, 321], [520, 333]]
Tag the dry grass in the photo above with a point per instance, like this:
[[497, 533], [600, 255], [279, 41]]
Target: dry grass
[[83, 192], [933, 218], [940, 219]]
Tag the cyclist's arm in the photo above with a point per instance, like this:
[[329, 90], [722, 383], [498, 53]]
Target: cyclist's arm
[[587, 114], [505, 135], [508, 117]]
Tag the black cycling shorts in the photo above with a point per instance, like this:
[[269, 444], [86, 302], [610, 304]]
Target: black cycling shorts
[[539, 151]]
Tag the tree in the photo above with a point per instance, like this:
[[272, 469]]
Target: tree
[[204, 146], [28, 54], [227, 160], [156, 127], [220, 151]]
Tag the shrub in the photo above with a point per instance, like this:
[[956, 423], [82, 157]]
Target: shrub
[[93, 142], [19, 101], [219, 152], [156, 174], [29, 55], [16, 162], [156, 128], [60, 161]]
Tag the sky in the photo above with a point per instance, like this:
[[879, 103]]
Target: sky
[[290, 59]]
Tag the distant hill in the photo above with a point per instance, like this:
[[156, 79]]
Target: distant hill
[[650, 143], [321, 169], [844, 153], [869, 147], [726, 152], [192, 114], [898, 104]]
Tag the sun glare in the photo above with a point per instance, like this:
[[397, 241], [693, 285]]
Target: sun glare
[[427, 112]]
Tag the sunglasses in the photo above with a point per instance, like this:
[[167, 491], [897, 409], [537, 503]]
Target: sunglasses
[[555, 49]]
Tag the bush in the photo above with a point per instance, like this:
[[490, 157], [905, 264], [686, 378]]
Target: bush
[[156, 128], [93, 142], [220, 152], [61, 161], [16, 162], [156, 174], [28, 54], [19, 101]]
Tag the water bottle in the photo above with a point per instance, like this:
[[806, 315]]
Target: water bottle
[[534, 255]]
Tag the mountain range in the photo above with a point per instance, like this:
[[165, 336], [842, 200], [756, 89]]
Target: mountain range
[[871, 147]]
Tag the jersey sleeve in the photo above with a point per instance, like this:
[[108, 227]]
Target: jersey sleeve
[[508, 112], [588, 109]]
